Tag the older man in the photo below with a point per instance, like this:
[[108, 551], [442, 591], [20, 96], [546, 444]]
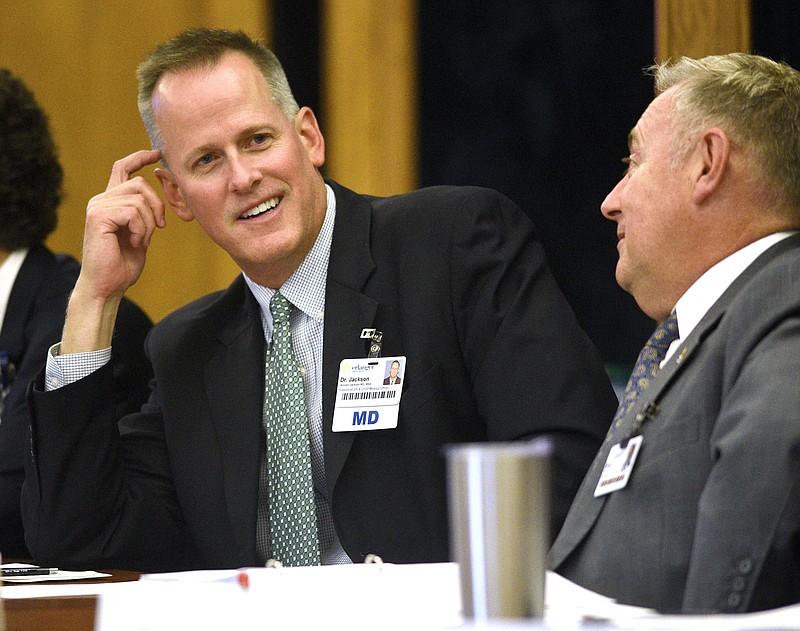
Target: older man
[[693, 502]]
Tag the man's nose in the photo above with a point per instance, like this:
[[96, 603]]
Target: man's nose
[[244, 174], [610, 206]]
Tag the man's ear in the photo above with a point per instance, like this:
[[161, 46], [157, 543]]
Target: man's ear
[[713, 156], [305, 124], [173, 194]]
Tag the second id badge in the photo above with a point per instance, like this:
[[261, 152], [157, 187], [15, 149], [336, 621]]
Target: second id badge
[[368, 393], [618, 466]]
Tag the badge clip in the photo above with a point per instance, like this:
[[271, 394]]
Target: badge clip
[[648, 414], [376, 341]]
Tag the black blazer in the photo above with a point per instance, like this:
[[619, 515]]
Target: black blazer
[[456, 281], [33, 322], [710, 518]]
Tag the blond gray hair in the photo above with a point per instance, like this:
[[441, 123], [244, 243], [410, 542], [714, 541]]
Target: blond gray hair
[[755, 100]]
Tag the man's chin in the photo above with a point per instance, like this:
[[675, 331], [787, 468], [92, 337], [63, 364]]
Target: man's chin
[[622, 278]]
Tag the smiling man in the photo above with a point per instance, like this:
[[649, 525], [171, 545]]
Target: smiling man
[[239, 456], [693, 503]]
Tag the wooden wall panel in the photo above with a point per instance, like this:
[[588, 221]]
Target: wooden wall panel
[[79, 58], [369, 94], [696, 28]]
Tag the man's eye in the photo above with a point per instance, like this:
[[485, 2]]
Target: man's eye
[[205, 160], [627, 162], [259, 139]]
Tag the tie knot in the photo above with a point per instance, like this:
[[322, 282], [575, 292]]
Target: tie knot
[[664, 335], [280, 308]]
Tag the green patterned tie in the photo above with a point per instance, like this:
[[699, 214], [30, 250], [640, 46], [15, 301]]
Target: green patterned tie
[[293, 520]]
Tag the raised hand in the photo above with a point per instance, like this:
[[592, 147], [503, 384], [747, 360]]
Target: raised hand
[[119, 226], [120, 223]]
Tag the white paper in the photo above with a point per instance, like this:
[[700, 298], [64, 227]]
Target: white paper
[[424, 596]]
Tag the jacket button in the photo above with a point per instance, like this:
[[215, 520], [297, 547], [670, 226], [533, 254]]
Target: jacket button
[[745, 566], [738, 583], [734, 600]]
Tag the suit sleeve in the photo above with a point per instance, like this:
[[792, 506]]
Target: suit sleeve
[[745, 555], [534, 371], [89, 502]]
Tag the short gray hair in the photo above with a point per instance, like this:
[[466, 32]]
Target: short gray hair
[[205, 47]]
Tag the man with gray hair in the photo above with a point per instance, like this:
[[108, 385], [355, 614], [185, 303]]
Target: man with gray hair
[[693, 502]]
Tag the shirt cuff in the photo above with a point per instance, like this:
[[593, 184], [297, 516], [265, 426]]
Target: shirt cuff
[[62, 370]]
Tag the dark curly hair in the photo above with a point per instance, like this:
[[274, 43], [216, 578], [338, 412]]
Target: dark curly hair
[[30, 173]]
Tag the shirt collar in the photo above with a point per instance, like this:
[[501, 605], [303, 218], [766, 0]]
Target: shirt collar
[[8, 275], [707, 289]]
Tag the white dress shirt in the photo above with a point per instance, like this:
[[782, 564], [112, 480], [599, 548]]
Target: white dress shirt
[[8, 276], [706, 290]]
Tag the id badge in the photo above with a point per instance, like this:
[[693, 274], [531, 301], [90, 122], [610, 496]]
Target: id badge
[[368, 393], [618, 467]]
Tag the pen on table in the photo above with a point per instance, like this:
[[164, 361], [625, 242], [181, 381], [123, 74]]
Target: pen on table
[[27, 571]]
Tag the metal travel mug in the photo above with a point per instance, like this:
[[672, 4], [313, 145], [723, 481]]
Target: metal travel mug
[[499, 503]]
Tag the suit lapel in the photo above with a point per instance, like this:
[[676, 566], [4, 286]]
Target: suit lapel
[[347, 312], [587, 508], [234, 382]]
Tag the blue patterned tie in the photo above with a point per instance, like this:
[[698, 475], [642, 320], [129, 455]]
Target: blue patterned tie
[[292, 515], [647, 366]]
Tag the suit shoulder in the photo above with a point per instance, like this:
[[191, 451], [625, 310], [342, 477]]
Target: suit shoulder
[[56, 272], [445, 207], [766, 293], [777, 276], [434, 207], [444, 196]]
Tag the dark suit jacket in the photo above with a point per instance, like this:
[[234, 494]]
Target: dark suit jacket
[[455, 280], [33, 322], [710, 519], [387, 381]]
